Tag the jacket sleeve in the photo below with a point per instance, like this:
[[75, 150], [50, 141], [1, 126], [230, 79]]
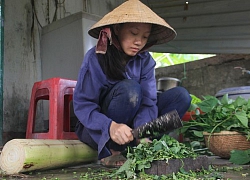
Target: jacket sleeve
[[86, 100]]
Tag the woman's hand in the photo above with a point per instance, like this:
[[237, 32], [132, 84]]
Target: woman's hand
[[120, 133]]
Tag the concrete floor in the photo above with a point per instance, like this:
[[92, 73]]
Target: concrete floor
[[79, 172], [235, 173]]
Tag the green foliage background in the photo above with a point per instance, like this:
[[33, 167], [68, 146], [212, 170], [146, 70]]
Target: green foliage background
[[168, 59]]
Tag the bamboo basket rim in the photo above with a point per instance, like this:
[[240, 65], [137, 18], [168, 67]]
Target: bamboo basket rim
[[222, 133]]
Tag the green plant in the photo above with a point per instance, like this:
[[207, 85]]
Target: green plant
[[141, 157], [168, 59], [215, 115], [195, 99], [240, 156]]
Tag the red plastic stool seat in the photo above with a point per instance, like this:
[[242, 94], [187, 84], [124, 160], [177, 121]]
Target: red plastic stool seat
[[59, 93]]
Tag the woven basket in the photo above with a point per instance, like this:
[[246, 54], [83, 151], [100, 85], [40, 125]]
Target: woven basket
[[222, 143]]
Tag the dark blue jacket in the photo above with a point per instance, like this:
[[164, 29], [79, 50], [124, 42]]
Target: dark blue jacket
[[92, 83]]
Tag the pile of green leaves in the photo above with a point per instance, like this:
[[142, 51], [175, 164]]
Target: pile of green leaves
[[215, 115], [141, 157]]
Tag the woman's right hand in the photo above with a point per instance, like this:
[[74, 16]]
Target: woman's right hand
[[120, 133]]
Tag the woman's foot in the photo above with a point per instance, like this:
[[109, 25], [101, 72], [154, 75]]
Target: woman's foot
[[115, 160]]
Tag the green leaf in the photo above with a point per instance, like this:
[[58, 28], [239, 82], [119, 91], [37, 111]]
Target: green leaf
[[240, 101], [208, 105], [224, 99], [183, 129], [175, 149], [157, 146], [198, 133], [183, 171], [242, 117], [142, 166], [195, 144], [248, 104], [125, 166], [240, 156], [174, 176]]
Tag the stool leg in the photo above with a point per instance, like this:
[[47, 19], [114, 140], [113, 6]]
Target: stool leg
[[31, 117], [66, 116], [36, 95]]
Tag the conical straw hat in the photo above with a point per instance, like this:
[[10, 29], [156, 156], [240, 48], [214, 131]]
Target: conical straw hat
[[136, 11]]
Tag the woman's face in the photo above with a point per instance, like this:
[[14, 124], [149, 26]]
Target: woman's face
[[132, 36]]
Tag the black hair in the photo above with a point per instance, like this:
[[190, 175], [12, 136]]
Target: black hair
[[113, 63]]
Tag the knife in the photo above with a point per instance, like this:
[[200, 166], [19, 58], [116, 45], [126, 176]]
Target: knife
[[163, 124]]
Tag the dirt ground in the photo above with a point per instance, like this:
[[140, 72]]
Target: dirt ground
[[80, 172]]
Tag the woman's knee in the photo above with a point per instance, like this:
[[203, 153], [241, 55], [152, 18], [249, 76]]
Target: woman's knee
[[176, 98], [175, 94], [183, 94], [123, 101], [130, 89]]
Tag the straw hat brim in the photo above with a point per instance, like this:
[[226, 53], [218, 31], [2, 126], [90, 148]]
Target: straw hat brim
[[136, 12]]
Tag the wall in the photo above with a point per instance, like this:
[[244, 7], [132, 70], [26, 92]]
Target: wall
[[22, 62], [208, 76], [21, 65]]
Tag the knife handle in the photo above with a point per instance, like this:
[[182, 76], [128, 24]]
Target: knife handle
[[135, 133]]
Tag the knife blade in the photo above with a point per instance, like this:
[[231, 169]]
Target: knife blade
[[163, 124]]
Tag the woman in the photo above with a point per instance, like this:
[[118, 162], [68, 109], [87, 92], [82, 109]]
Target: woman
[[116, 87]]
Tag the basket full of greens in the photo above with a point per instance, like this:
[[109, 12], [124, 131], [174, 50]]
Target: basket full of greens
[[220, 117]]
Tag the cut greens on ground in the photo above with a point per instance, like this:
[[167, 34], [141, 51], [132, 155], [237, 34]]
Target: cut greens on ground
[[141, 157]]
